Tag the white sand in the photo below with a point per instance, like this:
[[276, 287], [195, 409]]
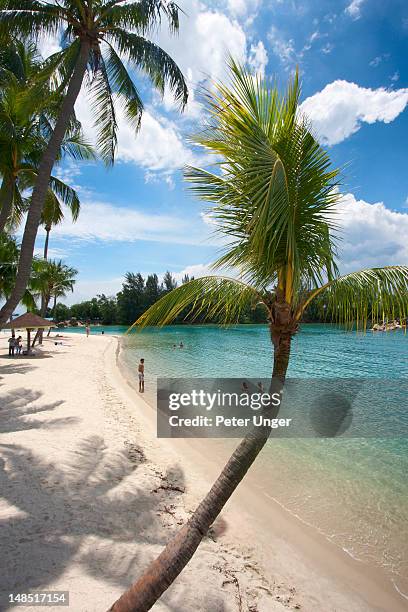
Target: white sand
[[88, 496]]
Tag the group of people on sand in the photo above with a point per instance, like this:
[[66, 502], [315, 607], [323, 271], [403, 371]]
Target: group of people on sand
[[15, 346]]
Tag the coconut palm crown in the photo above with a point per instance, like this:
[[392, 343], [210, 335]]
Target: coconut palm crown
[[274, 202]]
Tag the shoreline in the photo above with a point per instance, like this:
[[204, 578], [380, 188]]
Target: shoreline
[[370, 583], [90, 497]]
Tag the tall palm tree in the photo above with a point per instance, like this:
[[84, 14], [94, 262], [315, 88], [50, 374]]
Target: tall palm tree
[[96, 34], [53, 212], [25, 124], [274, 200]]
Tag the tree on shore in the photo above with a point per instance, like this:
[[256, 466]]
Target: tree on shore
[[97, 35], [53, 279], [274, 200]]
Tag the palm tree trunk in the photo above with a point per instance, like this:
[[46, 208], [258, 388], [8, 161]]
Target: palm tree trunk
[[47, 239], [54, 309], [41, 185], [162, 572], [43, 310], [6, 202]]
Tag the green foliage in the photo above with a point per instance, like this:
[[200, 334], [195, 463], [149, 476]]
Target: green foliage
[[52, 279], [9, 256], [27, 114], [117, 36], [273, 201], [274, 191]]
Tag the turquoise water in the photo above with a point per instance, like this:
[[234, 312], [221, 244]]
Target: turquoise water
[[354, 491], [95, 330]]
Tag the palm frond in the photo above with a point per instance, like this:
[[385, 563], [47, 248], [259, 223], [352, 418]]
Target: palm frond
[[375, 294], [275, 193], [141, 17], [208, 297], [29, 18], [105, 115], [151, 59], [67, 195], [122, 84]]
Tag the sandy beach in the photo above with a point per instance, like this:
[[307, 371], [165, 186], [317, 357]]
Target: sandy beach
[[89, 496]]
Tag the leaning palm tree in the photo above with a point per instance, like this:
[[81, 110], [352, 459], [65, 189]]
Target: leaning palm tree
[[274, 202], [96, 36]]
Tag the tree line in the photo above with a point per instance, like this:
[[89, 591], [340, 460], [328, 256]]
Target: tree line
[[135, 297]]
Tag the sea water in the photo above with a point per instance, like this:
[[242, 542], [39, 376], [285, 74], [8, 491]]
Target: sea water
[[354, 491]]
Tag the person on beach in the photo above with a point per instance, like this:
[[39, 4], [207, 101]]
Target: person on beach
[[140, 370], [87, 330], [12, 346], [19, 345]]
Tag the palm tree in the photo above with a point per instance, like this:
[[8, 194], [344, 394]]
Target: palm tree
[[24, 132], [53, 213], [9, 256], [274, 200], [95, 39], [53, 279]]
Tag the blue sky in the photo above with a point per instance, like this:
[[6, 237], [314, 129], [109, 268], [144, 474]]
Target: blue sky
[[139, 215]]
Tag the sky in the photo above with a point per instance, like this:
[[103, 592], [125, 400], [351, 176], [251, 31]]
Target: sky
[[139, 215]]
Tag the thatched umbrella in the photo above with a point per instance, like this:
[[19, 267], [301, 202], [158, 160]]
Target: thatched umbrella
[[29, 321]]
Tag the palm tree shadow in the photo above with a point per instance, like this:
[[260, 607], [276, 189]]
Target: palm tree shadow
[[88, 509], [17, 408], [15, 368]]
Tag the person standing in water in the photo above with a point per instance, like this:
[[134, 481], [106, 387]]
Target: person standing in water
[[140, 370]]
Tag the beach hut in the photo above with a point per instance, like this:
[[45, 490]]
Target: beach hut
[[29, 321]]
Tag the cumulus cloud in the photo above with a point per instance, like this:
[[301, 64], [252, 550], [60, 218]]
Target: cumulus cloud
[[242, 8], [341, 107], [206, 39], [372, 235], [258, 58], [158, 146]]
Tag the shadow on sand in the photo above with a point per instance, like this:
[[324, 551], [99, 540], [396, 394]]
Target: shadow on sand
[[85, 510], [17, 408]]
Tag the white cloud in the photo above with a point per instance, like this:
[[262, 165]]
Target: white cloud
[[196, 270], [157, 147], [395, 77], [376, 61], [354, 9], [341, 107], [373, 235], [282, 47], [242, 8], [105, 222], [206, 39], [258, 58]]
